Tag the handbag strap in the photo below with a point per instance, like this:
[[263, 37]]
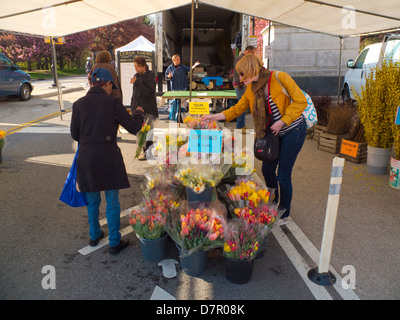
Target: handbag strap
[[268, 103]]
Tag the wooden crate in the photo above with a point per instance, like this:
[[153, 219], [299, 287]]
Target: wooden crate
[[317, 131], [330, 142], [362, 151]]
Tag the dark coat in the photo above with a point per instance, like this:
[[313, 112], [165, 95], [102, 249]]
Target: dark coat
[[144, 93], [94, 124]]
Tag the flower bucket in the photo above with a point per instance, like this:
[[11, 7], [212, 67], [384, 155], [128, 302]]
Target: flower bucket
[[394, 175], [239, 271], [195, 263], [208, 195], [154, 250], [378, 160]]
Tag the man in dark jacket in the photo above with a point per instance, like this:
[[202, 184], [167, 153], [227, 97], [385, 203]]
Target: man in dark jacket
[[100, 167]]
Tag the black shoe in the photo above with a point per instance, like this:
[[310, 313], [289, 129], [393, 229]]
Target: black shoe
[[122, 245], [95, 242]]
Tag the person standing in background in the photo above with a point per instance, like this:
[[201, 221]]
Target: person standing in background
[[177, 74], [103, 60]]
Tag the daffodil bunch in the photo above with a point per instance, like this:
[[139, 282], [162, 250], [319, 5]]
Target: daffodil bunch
[[197, 179], [195, 122], [2, 136], [141, 136], [242, 165]]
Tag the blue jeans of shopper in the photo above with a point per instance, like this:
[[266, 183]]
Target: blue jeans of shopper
[[241, 120], [290, 146], [113, 211]]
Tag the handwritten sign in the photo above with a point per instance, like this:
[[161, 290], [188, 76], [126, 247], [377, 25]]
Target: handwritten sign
[[205, 141], [349, 148], [397, 121], [199, 108]]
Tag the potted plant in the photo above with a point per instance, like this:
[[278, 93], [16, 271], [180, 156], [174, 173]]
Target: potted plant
[[322, 105], [394, 176], [374, 107], [340, 117]]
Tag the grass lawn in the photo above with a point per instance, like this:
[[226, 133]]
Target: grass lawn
[[47, 74]]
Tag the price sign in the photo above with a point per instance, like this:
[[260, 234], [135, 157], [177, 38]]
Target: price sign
[[349, 148], [199, 108], [205, 141]]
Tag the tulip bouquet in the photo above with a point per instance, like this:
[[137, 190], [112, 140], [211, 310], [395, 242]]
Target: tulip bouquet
[[161, 180], [195, 122], [199, 228], [148, 219], [247, 194], [264, 214], [242, 239]]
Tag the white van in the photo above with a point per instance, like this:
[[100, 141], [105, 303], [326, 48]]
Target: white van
[[369, 58]]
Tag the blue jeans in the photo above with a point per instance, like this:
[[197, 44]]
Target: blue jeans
[[290, 146], [113, 211], [241, 120], [174, 112]]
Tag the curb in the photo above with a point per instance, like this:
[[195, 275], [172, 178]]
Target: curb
[[55, 93]]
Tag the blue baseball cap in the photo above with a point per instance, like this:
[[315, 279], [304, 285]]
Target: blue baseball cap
[[101, 74]]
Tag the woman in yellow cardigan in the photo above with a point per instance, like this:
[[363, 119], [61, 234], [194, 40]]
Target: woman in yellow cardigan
[[287, 103]]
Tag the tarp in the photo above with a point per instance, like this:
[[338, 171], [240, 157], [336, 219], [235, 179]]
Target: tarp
[[59, 18], [139, 44]]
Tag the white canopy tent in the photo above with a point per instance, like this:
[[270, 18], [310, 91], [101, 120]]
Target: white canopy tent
[[139, 44], [124, 60], [56, 18]]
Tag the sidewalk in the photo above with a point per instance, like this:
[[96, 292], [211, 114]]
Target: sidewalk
[[45, 89]]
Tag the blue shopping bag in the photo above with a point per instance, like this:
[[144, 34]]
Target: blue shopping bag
[[70, 195]]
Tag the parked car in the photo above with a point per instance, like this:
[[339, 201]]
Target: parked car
[[368, 59], [14, 81]]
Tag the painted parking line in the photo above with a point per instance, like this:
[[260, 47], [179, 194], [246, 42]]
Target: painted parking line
[[35, 121]]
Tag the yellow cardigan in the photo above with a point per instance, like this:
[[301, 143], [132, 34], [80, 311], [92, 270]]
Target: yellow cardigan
[[290, 107]]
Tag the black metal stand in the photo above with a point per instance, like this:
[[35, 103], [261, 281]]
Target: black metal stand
[[322, 279]]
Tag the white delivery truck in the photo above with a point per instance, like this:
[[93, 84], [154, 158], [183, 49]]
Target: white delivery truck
[[370, 57], [216, 33]]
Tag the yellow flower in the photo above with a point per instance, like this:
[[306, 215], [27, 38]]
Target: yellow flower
[[227, 248]]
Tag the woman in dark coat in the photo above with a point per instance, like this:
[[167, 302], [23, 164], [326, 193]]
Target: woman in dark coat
[[94, 124], [144, 93]]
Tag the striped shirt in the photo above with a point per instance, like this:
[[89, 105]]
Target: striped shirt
[[276, 115]]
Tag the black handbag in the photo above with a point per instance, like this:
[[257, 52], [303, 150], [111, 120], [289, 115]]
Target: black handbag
[[267, 148]]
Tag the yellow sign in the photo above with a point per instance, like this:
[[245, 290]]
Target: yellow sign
[[56, 40], [199, 108], [349, 148]]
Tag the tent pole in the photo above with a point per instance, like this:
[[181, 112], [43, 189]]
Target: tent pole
[[59, 90], [340, 68]]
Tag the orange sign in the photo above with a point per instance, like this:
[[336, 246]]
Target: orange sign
[[349, 148]]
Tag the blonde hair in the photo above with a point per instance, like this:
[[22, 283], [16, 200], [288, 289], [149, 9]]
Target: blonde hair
[[249, 66], [103, 56]]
